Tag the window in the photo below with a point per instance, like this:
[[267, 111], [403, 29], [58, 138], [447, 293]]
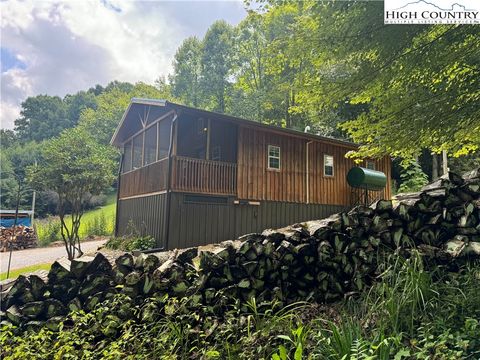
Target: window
[[370, 164], [163, 138], [137, 151], [274, 157], [328, 165], [127, 157], [150, 145]]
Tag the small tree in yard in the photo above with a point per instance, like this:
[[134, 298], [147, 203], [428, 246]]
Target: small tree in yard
[[76, 167]]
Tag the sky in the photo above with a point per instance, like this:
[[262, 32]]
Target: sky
[[59, 48]]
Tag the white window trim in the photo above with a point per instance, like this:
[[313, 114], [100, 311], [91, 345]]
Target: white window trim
[[274, 157], [324, 165]]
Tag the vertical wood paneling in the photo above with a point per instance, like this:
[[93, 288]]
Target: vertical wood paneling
[[256, 182], [148, 179]]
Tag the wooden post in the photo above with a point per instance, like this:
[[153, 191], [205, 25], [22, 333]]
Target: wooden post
[[33, 202], [434, 166], [307, 170], [207, 154], [444, 162]]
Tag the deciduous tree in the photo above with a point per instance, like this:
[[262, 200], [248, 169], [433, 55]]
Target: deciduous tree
[[75, 167]]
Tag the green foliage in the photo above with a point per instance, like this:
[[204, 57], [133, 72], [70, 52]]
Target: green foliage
[[131, 243], [439, 320], [48, 230], [394, 89], [98, 226], [44, 116], [102, 121], [14, 161], [7, 138], [98, 222], [187, 72], [412, 177], [75, 167], [216, 63]]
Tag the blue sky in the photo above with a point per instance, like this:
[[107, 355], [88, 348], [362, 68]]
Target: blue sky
[[55, 48]]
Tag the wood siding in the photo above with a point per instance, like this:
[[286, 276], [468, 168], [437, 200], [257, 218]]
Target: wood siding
[[256, 182], [335, 189], [149, 179]]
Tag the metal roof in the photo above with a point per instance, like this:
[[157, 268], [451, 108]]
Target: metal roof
[[119, 136], [12, 212]]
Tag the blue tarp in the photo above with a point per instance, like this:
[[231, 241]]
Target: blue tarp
[[25, 221]]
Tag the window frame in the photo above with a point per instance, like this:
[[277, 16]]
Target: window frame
[[153, 129], [279, 157], [124, 155], [325, 165], [160, 144], [142, 137]]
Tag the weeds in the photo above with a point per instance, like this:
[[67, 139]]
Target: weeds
[[412, 313], [131, 243], [48, 230], [98, 225]]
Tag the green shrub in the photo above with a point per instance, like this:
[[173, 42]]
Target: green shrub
[[412, 177], [131, 243]]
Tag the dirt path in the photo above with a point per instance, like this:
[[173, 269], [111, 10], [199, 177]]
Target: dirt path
[[23, 258]]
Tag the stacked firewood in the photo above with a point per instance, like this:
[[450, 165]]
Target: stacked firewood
[[24, 238], [321, 260]]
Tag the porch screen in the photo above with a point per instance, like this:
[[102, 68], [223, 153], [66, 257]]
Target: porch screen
[[137, 151], [127, 157], [163, 138], [150, 145]]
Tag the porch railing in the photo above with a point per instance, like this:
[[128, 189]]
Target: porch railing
[[204, 176]]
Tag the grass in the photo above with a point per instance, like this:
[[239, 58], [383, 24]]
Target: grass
[[100, 221], [14, 273]]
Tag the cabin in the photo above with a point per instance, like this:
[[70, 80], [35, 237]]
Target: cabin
[[191, 177]]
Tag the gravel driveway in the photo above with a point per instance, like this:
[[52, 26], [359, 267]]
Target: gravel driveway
[[23, 258]]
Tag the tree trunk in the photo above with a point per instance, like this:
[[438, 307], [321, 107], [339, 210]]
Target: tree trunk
[[434, 166]]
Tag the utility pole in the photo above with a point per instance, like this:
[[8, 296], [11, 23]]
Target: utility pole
[[33, 202], [444, 162]]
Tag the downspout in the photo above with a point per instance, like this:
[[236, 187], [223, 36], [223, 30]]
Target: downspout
[[169, 181], [120, 168], [307, 172]]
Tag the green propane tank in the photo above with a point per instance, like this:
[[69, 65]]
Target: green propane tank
[[362, 178]]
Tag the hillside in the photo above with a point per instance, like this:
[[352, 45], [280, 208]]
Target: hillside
[[99, 221]]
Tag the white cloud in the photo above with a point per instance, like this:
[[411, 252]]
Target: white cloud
[[71, 46]]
